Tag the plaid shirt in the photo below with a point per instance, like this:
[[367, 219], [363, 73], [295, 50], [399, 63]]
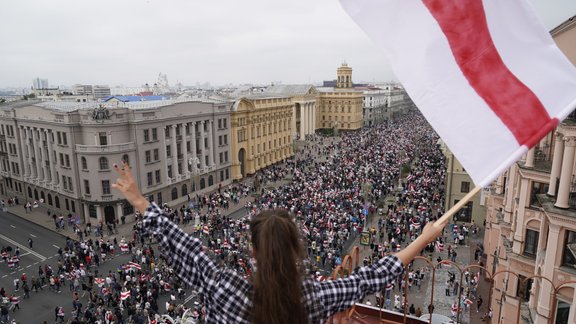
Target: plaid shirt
[[227, 293]]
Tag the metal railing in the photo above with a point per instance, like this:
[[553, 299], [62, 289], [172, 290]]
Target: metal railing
[[351, 261]]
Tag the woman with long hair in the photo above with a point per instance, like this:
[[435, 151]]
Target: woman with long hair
[[279, 291]]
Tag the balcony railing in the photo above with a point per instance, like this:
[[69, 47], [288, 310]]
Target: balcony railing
[[114, 148]]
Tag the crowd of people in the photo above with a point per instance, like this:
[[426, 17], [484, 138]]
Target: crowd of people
[[334, 185]]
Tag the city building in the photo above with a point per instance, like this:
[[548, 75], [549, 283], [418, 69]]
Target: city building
[[340, 106], [62, 153], [531, 224], [40, 83], [304, 98], [261, 132], [458, 184], [95, 92], [375, 104]]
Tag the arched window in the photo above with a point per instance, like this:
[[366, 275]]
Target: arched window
[[29, 192], [184, 190], [202, 184], [42, 196], [210, 181], [36, 194], [57, 201], [103, 163], [84, 164], [193, 187], [174, 194], [126, 158], [50, 199]]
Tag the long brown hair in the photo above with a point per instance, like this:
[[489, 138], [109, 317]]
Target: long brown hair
[[278, 277]]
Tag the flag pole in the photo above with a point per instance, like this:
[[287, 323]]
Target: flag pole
[[442, 221]]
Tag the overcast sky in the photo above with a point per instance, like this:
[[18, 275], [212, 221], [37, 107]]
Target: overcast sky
[[128, 42]]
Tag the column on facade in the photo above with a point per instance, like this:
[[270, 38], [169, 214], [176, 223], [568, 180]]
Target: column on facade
[[311, 123], [33, 171], [46, 158], [530, 158], [302, 120], [53, 163], [184, 150], [519, 219], [99, 216], [86, 213], [174, 151], [164, 149], [211, 150], [202, 147], [544, 297], [119, 210], [556, 164], [293, 121], [510, 192], [24, 150], [566, 173], [37, 154], [313, 117], [193, 147]]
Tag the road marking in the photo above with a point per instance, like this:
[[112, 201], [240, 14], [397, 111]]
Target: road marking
[[32, 235], [24, 254], [56, 246], [28, 266], [12, 226], [38, 255]]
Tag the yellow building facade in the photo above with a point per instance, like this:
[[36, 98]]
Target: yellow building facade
[[341, 107], [261, 133]]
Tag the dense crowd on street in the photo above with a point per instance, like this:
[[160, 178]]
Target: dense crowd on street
[[334, 185]]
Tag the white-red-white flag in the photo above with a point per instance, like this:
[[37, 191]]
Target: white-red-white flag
[[124, 295], [485, 73]]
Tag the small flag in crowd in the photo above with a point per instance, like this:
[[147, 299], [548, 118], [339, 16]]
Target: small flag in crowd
[[439, 246], [99, 281], [206, 229], [491, 91], [125, 295]]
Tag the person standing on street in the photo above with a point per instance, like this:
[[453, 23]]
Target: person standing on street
[[479, 303], [30, 242]]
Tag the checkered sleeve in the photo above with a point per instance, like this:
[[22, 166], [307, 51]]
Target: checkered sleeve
[[341, 294], [183, 252]]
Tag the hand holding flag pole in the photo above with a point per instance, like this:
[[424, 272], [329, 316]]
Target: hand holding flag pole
[[442, 221]]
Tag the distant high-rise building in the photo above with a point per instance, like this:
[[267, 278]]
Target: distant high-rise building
[[40, 83], [96, 91]]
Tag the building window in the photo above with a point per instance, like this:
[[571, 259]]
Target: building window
[[159, 196], [126, 159], [157, 174], [174, 193], [148, 156], [210, 180], [146, 135], [156, 155], [154, 134], [149, 178], [67, 157], [103, 138], [531, 243], [562, 312], [464, 186], [523, 288], [221, 157], [537, 189], [224, 122], [64, 139], [103, 163], [70, 186], [84, 163], [105, 187], [225, 156], [87, 187], [168, 150], [569, 254], [169, 171]]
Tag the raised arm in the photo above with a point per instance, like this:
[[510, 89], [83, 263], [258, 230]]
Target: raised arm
[[183, 252]]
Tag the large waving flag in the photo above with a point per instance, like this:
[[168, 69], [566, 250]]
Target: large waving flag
[[485, 74]]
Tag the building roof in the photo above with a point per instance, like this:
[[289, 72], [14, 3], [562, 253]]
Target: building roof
[[135, 98], [569, 23], [289, 89]]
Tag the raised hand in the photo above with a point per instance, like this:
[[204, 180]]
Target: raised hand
[[126, 184]]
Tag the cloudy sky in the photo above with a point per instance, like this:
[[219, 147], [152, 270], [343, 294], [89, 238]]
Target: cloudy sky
[[128, 42]]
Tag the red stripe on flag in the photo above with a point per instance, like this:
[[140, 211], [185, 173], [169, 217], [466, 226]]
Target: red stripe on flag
[[463, 22]]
